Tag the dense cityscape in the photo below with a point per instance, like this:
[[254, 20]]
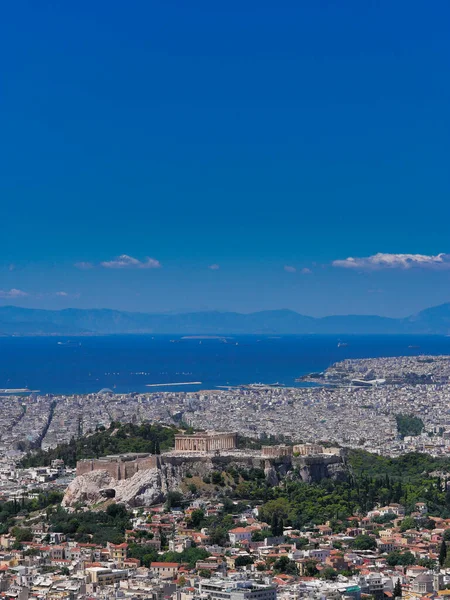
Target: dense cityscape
[[195, 519], [356, 395]]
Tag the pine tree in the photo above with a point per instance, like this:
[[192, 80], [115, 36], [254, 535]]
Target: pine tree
[[398, 589], [442, 553], [274, 524]]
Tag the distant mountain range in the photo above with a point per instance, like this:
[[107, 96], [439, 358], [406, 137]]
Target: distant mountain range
[[71, 321]]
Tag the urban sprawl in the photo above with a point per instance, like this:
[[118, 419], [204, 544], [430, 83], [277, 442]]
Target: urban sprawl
[[211, 537]]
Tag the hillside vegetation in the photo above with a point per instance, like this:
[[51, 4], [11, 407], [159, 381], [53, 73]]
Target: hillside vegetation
[[117, 439], [372, 480]]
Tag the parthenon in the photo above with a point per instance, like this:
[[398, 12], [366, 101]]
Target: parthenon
[[208, 441]]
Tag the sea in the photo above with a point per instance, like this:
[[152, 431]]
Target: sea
[[146, 363]]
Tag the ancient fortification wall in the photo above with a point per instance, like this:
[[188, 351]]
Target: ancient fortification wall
[[120, 467]]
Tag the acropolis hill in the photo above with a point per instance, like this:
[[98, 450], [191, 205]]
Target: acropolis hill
[[124, 466], [144, 479]]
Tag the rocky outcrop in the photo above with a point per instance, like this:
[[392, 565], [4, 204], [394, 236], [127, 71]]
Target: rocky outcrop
[[143, 489], [315, 468], [86, 489], [150, 486]]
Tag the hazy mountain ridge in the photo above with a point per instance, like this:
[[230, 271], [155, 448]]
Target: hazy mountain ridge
[[71, 321]]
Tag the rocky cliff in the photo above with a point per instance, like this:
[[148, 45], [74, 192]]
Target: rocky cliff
[[150, 486]]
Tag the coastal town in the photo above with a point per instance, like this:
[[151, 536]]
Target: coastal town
[[212, 515]]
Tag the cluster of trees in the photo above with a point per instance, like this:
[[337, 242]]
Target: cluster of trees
[[97, 527], [22, 534], [216, 478], [371, 480], [147, 554], [218, 525], [409, 425], [401, 558], [364, 542], [117, 439], [285, 565], [15, 508], [299, 504]]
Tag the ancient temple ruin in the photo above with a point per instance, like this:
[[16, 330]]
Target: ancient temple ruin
[[209, 441]]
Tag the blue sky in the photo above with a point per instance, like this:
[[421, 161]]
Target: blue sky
[[272, 141]]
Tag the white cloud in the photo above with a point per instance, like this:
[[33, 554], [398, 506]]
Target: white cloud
[[128, 262], [214, 267], [13, 293], [84, 266], [63, 294], [290, 269], [305, 271], [395, 261]]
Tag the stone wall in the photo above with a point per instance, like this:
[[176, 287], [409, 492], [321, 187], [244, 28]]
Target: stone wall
[[119, 467]]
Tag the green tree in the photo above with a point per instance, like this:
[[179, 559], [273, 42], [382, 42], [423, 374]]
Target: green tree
[[22, 534], [275, 526], [428, 563], [310, 568], [442, 553], [173, 499], [216, 478], [281, 506], [260, 536], [285, 565], [242, 561], [205, 573], [364, 542], [407, 523], [197, 518], [328, 573], [409, 425], [398, 589], [400, 558], [218, 535]]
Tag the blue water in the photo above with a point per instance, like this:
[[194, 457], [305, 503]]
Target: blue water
[[116, 361]]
